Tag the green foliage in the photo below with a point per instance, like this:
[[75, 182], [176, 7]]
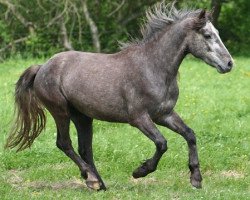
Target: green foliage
[[235, 25], [115, 20], [216, 106], [4, 34]]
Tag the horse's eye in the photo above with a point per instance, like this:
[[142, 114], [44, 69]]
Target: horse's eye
[[207, 36]]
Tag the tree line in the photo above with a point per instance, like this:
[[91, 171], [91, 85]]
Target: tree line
[[44, 27]]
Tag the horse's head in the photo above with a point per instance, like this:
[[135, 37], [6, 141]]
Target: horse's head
[[204, 42]]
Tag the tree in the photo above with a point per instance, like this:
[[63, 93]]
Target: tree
[[44, 27], [92, 25]]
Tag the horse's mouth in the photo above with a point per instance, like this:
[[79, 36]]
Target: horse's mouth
[[223, 70]]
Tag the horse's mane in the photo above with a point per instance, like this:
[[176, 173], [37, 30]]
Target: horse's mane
[[157, 19]]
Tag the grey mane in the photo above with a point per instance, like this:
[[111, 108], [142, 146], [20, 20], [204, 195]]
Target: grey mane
[[157, 19]]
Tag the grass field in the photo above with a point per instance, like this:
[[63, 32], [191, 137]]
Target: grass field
[[216, 106]]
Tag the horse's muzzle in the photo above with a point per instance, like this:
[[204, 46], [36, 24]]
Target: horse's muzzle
[[225, 68]]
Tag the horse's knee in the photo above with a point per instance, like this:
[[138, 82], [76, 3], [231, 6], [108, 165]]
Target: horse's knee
[[190, 136], [192, 139], [162, 145]]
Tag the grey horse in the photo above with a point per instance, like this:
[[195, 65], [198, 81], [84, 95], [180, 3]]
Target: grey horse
[[137, 85]]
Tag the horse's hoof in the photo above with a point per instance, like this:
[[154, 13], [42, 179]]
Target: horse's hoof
[[196, 184], [140, 172], [103, 187], [146, 168], [92, 182], [94, 185]]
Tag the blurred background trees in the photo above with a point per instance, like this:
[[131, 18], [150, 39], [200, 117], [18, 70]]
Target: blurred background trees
[[44, 27]]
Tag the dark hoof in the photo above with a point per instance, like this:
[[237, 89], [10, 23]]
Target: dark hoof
[[143, 170], [195, 179], [140, 172], [103, 187], [196, 184]]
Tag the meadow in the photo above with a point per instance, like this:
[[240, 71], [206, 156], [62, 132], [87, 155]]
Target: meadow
[[215, 106]]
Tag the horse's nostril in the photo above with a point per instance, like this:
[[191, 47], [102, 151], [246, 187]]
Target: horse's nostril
[[230, 64]]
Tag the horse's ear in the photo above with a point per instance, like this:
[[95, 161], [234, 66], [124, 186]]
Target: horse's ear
[[200, 20], [202, 14]]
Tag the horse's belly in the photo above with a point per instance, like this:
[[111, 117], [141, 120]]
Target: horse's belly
[[112, 114], [102, 107]]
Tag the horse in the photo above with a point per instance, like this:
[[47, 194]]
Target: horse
[[136, 85]]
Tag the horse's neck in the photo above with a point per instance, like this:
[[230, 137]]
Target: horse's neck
[[169, 51]]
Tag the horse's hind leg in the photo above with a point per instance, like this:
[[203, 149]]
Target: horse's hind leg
[[64, 143], [56, 103], [83, 126], [58, 107], [175, 123], [146, 125]]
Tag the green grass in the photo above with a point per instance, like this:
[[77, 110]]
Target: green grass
[[216, 106]]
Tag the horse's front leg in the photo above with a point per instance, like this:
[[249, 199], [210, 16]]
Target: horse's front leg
[[146, 125], [175, 123]]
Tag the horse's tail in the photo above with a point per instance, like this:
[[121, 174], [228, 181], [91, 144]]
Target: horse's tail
[[30, 117]]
